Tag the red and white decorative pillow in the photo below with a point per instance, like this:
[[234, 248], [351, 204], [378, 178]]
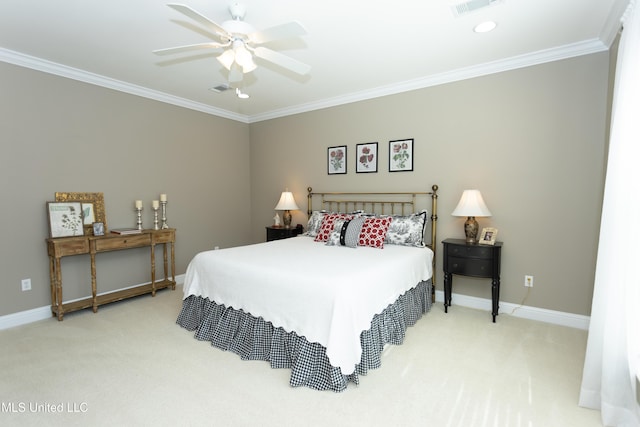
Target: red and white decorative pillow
[[327, 226], [373, 232]]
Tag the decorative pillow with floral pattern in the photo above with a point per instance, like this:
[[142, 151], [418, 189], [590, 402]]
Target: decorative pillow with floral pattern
[[407, 230], [374, 231], [327, 226], [313, 225]]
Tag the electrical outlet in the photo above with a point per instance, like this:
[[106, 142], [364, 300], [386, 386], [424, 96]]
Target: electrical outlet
[[26, 284], [528, 281]]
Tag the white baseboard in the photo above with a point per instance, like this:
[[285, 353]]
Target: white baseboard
[[42, 313], [532, 313], [24, 317]]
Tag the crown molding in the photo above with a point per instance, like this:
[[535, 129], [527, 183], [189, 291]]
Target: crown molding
[[521, 61], [613, 24], [515, 62], [38, 64]]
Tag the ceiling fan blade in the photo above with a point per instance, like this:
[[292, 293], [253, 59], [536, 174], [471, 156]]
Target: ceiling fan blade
[[196, 16], [283, 31], [282, 60], [186, 48]]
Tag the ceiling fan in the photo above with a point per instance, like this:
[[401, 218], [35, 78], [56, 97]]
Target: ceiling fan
[[240, 42]]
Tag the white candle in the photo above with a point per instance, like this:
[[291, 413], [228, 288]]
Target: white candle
[[163, 197], [155, 204], [138, 204]]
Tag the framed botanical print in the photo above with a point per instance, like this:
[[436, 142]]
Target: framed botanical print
[[92, 205], [65, 219], [367, 157], [88, 213], [401, 155], [337, 160]]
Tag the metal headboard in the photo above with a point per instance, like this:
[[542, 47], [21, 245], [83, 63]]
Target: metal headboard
[[386, 203]]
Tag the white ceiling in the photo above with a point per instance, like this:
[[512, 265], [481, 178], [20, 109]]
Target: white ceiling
[[357, 49]]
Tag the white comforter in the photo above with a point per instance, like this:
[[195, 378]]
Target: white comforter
[[328, 294]]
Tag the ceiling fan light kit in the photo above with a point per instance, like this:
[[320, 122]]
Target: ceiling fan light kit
[[238, 54], [240, 42], [227, 58]]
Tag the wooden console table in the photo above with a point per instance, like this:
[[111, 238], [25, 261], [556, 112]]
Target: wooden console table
[[69, 246]]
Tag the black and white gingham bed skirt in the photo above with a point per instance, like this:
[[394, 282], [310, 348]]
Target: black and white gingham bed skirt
[[256, 339]]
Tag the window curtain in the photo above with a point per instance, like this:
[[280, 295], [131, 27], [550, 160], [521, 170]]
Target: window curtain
[[612, 360]]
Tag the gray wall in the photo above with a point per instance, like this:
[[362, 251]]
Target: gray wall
[[532, 140], [63, 135]]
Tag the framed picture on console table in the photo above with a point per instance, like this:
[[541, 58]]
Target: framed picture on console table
[[92, 208], [65, 219], [98, 229], [401, 155]]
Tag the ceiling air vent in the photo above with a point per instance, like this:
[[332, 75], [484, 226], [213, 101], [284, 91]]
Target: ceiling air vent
[[220, 88], [471, 6]]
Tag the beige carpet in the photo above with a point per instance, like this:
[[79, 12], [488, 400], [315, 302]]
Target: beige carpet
[[131, 365]]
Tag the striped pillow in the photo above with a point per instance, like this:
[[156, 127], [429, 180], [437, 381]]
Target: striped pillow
[[346, 232]]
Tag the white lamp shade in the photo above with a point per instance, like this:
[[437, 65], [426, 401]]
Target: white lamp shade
[[227, 58], [240, 55], [249, 66], [287, 202], [243, 56], [471, 204]]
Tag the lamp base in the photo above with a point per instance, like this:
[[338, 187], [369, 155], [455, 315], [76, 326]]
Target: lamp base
[[286, 219], [471, 229]]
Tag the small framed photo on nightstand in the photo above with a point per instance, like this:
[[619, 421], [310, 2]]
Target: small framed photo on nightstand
[[488, 236]]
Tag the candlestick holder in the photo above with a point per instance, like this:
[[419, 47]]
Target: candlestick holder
[[163, 204], [155, 218], [139, 218]]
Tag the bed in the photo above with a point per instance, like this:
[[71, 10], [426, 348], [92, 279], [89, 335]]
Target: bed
[[323, 304]]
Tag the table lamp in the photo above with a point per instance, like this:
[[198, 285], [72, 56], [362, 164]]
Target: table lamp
[[471, 205], [287, 204]]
